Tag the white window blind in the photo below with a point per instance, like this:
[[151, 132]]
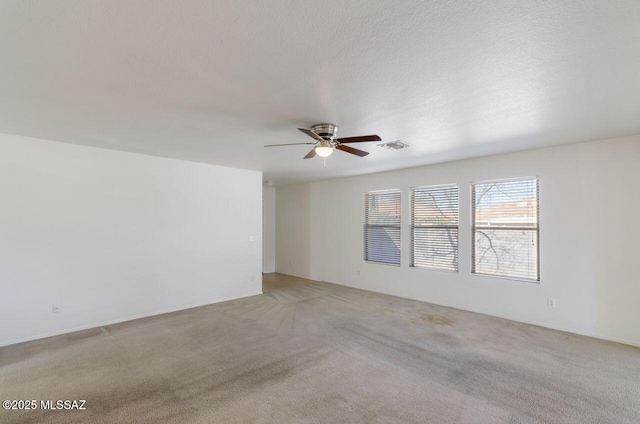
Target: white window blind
[[434, 227], [505, 229], [382, 227]]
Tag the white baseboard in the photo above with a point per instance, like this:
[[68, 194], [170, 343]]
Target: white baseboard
[[293, 274], [160, 312], [511, 318], [119, 320]]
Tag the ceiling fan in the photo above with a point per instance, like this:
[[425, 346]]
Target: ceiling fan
[[326, 141]]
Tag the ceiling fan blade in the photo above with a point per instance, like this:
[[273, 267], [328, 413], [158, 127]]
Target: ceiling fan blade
[[361, 139], [311, 154], [311, 134], [288, 144], [353, 151]]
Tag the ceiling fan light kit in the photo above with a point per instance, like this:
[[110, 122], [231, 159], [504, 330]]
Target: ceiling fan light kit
[[326, 141], [324, 150]]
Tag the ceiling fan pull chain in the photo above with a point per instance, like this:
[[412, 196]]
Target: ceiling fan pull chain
[[324, 162]]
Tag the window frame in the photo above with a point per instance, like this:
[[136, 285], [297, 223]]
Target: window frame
[[365, 226], [536, 228], [412, 227]]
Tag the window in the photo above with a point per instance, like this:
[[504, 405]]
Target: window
[[434, 227], [505, 229], [382, 227]]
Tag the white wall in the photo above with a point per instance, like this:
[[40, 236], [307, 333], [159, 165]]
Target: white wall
[[111, 236], [589, 237], [269, 229]]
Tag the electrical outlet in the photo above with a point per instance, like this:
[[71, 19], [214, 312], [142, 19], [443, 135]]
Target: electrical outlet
[[358, 272], [253, 277], [252, 238], [55, 308], [551, 302]]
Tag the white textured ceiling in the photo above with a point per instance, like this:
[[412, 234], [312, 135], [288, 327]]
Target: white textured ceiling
[[212, 81]]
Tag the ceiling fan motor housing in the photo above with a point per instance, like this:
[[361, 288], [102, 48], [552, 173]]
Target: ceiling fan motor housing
[[326, 131]]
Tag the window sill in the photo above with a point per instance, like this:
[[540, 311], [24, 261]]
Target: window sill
[[424, 268], [382, 263], [499, 277]]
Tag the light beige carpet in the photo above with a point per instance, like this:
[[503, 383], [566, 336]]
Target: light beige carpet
[[324, 354]]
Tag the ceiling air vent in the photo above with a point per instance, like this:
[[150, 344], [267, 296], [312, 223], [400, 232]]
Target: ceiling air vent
[[397, 145]]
